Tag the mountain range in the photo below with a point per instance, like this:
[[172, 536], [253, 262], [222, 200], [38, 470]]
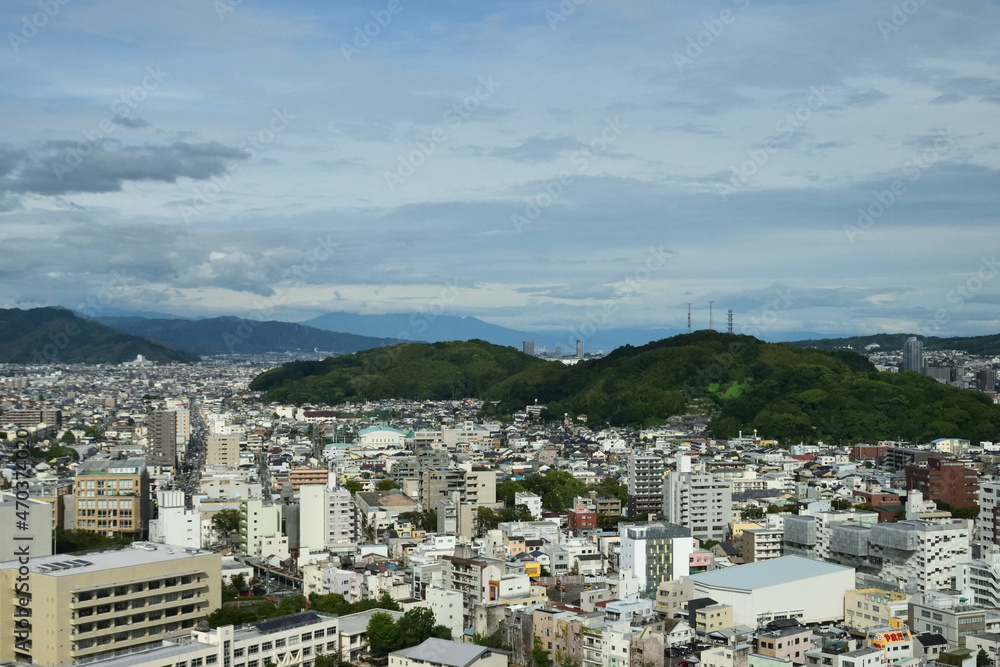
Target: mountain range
[[979, 345], [56, 335], [233, 335]]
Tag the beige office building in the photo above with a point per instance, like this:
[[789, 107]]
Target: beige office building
[[222, 450], [112, 497], [91, 607]]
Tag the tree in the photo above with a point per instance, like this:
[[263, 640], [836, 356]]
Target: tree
[[353, 486], [383, 634], [332, 660], [753, 513], [983, 659], [386, 485], [226, 522], [239, 582], [68, 438], [415, 626], [540, 657]]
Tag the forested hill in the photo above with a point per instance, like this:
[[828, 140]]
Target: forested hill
[[785, 392], [982, 345], [55, 335]]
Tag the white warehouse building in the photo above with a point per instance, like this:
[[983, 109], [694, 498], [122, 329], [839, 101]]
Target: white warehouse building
[[810, 591]]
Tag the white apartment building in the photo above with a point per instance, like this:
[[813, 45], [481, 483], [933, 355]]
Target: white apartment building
[[258, 522], [327, 518], [699, 501], [988, 518], [531, 501], [175, 524], [655, 552], [979, 580]]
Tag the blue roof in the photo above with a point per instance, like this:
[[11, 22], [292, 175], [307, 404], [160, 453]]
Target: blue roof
[[784, 570]]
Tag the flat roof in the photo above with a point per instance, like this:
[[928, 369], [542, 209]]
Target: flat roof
[[353, 624], [447, 652], [784, 570], [139, 554]]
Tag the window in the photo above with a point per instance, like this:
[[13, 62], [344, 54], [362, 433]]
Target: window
[[238, 653]]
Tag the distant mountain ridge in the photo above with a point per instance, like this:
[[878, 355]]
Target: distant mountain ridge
[[56, 335], [988, 345], [234, 335]]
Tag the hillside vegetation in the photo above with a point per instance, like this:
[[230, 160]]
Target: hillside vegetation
[[55, 335], [785, 392]]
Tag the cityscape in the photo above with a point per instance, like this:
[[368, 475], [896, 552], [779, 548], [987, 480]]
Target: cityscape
[[548, 333]]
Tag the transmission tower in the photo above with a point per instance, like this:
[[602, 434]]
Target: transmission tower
[[689, 318]]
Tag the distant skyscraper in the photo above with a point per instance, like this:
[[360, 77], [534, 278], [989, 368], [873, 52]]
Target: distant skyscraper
[[528, 347], [986, 380], [558, 351], [579, 349], [913, 355], [162, 437]]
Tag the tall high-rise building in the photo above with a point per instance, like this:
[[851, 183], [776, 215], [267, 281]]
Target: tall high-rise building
[[986, 380], [162, 439], [327, 518], [645, 484], [913, 355], [528, 347], [579, 349], [700, 502]]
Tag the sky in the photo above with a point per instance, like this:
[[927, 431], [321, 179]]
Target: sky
[[815, 166]]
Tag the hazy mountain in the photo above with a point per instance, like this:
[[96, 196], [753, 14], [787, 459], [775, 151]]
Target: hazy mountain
[[56, 335], [233, 335]]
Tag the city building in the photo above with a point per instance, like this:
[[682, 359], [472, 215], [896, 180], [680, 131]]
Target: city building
[[757, 544], [988, 519], [162, 439], [174, 523], [944, 480], [528, 347], [873, 608], [645, 485], [912, 355], [949, 615], [436, 652], [259, 522], [580, 520], [699, 501], [306, 476], [222, 450], [530, 500], [86, 608], [772, 589], [655, 552], [978, 579], [789, 643], [112, 497], [24, 524]]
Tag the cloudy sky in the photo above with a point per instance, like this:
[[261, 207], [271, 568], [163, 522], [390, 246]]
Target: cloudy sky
[[815, 166]]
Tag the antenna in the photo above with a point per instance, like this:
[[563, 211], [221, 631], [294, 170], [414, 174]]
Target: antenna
[[710, 325], [689, 318], [729, 328]]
